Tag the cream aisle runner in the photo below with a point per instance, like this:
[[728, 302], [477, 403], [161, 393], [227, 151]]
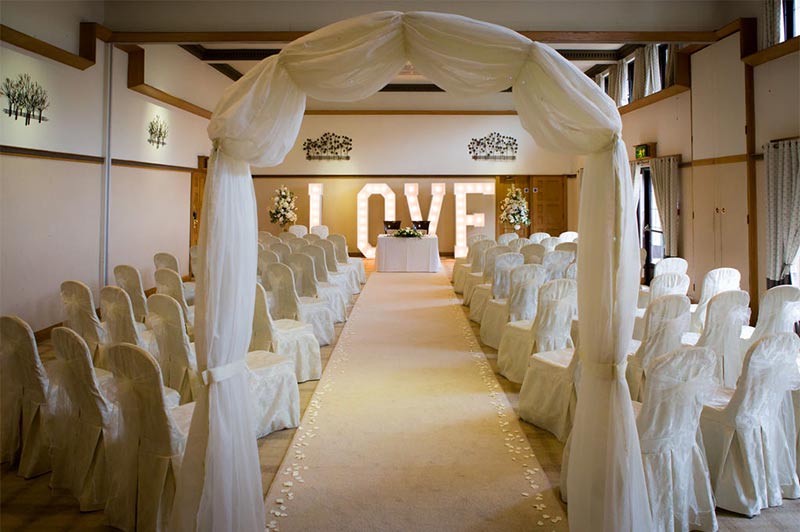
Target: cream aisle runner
[[409, 429]]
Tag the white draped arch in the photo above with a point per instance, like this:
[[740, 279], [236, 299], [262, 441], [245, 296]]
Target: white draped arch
[[256, 123]]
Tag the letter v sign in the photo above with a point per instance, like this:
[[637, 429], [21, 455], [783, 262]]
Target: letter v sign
[[412, 197]]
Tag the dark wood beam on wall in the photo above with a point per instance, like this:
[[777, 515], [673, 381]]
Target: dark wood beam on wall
[[87, 48], [227, 70]]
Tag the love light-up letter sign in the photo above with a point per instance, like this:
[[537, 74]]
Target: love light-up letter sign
[[412, 197], [363, 213], [314, 204], [462, 218]]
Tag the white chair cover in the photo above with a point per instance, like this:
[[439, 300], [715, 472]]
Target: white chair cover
[[85, 422], [506, 238], [257, 123], [302, 266], [298, 230], [671, 265], [666, 319], [289, 338], [168, 282], [164, 260], [778, 312], [557, 262], [116, 309], [568, 246], [286, 235], [568, 236], [282, 250], [321, 230], [176, 356], [265, 257], [25, 408], [147, 456], [340, 291], [537, 238], [521, 298], [484, 275], [675, 465], [288, 305], [572, 271], [476, 253], [727, 312], [533, 253], [461, 261], [518, 243], [81, 316], [267, 238], [351, 272], [661, 285], [297, 244], [549, 331], [550, 243], [312, 237], [715, 281], [342, 254], [500, 286], [342, 280], [129, 279], [478, 287], [194, 261], [749, 455]]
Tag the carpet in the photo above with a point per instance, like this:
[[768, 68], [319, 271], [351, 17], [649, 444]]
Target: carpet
[[409, 429]]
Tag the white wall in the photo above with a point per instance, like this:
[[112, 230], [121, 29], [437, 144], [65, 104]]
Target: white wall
[[55, 22], [418, 144], [50, 227], [668, 123], [75, 115], [131, 112], [149, 212]]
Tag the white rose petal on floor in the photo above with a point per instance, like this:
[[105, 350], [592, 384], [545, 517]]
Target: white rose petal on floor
[[409, 428]]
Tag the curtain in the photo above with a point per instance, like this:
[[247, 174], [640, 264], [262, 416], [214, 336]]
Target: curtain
[[599, 80], [256, 123], [667, 188], [671, 68], [646, 75], [618, 82], [782, 160], [771, 23]]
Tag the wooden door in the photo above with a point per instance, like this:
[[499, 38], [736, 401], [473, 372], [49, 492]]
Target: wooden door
[[502, 186], [196, 201], [705, 226], [733, 234], [548, 201]]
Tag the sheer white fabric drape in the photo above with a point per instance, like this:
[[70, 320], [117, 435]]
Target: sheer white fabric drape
[[257, 122]]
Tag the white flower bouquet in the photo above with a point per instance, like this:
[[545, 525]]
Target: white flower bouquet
[[514, 208], [408, 232], [284, 210]]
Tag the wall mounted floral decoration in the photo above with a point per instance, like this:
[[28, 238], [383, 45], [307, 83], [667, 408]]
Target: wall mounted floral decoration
[[26, 99], [514, 208], [493, 147], [328, 147], [157, 129]]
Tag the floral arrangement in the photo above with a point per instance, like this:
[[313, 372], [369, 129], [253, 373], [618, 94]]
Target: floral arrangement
[[284, 210], [514, 208], [408, 232]]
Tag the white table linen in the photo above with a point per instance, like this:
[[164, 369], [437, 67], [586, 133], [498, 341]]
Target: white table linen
[[397, 254]]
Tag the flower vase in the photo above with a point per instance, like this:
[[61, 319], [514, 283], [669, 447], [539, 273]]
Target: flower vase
[[516, 227]]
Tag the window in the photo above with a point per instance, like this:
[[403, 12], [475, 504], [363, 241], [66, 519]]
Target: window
[[651, 234], [631, 69], [790, 19], [662, 63], [605, 82]]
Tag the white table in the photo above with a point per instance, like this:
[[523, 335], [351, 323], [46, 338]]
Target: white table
[[397, 254]]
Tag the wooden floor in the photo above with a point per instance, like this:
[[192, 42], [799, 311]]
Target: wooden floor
[[29, 505]]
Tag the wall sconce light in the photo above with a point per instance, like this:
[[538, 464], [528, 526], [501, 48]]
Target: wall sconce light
[[363, 213], [328, 147], [493, 147]]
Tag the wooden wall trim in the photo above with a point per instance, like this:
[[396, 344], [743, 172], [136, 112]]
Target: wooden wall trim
[[663, 94], [17, 151], [136, 82], [727, 159], [773, 52], [87, 56]]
